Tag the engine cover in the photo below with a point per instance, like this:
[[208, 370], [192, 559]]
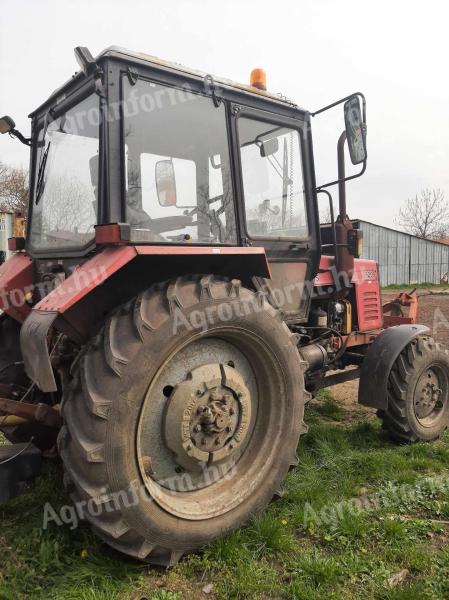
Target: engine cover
[[367, 294]]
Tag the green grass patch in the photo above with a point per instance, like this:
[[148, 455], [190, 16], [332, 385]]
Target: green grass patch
[[418, 286], [327, 408], [357, 511]]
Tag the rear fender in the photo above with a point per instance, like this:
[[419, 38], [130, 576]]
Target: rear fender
[[79, 305], [16, 284], [379, 360]]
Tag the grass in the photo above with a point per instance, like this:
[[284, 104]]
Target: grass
[[419, 286], [311, 544], [327, 408]]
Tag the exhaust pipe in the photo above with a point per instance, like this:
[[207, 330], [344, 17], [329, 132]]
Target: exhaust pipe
[[343, 226]]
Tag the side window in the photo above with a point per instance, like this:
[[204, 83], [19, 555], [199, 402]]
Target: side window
[[209, 223], [178, 173], [272, 180], [65, 194]]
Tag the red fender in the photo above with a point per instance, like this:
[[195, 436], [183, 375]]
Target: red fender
[[16, 284], [87, 293]]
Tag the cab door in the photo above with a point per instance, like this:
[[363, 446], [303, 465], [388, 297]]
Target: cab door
[[277, 202]]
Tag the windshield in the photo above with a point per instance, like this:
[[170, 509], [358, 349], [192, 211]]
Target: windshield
[[164, 125], [65, 197]]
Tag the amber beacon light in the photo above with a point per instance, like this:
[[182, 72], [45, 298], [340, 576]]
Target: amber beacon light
[[259, 79]]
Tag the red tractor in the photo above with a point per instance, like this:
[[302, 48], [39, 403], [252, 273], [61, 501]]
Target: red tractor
[[175, 302]]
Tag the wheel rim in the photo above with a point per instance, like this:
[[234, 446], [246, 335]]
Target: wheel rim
[[431, 395], [207, 434]]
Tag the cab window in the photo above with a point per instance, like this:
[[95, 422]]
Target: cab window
[[273, 183], [178, 177]]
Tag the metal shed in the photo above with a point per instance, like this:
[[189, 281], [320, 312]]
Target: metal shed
[[403, 258]]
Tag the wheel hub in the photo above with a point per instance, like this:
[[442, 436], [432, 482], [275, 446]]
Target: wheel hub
[[428, 398], [207, 416], [214, 423]]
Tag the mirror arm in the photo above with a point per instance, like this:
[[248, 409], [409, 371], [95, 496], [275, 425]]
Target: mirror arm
[[20, 137], [331, 183], [317, 112]]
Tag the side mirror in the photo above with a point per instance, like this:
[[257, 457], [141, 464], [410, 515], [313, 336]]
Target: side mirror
[[355, 130], [269, 147], [6, 124], [165, 183]]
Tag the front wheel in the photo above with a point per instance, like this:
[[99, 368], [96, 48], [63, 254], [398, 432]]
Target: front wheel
[[183, 417], [418, 392]]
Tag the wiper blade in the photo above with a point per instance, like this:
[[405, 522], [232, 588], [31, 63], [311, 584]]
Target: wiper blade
[[40, 184]]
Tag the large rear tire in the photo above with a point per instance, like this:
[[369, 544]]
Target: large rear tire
[[418, 392], [183, 417]]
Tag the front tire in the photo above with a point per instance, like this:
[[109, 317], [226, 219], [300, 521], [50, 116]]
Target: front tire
[[183, 417], [418, 392]]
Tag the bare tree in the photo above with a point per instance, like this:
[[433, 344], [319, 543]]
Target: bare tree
[[426, 215], [13, 188]]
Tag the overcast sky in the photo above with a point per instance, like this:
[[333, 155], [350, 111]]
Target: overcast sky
[[313, 51]]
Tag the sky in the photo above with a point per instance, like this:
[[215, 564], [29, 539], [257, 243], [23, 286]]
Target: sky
[[314, 52]]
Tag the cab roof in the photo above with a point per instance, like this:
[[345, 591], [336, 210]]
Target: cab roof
[[128, 56]]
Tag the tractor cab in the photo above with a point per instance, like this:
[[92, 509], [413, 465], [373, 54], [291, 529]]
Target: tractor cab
[[172, 153], [178, 158]]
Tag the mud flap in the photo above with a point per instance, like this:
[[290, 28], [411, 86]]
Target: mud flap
[[33, 342], [379, 360]]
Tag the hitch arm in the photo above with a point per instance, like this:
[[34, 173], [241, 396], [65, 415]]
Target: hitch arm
[[43, 413], [393, 313]]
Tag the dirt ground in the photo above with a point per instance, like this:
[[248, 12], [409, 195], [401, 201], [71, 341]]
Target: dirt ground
[[433, 312]]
